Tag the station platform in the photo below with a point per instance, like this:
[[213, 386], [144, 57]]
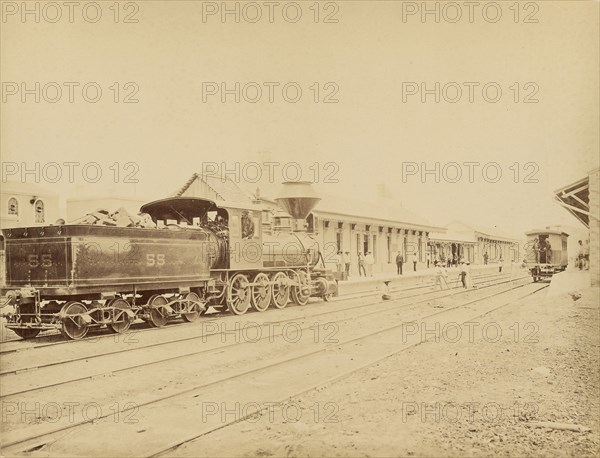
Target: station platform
[[570, 280], [364, 285]]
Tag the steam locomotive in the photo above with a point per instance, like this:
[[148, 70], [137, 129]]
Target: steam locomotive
[[200, 254]]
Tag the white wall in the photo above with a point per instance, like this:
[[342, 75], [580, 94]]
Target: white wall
[[26, 210]]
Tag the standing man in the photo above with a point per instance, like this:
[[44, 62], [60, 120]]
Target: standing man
[[580, 255], [463, 274], [347, 262], [468, 277], [414, 260], [247, 225], [361, 264], [339, 261], [399, 262], [501, 262], [369, 261], [586, 255], [536, 250], [485, 258], [441, 275], [548, 252]]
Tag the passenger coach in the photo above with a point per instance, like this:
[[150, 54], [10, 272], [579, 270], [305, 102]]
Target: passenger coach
[[546, 252]]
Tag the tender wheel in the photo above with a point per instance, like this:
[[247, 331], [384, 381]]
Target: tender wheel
[[261, 292], [122, 321], [158, 314], [191, 300], [280, 290], [239, 292], [301, 294], [74, 326], [26, 333]]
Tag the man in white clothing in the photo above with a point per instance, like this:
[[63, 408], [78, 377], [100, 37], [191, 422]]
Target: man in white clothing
[[369, 261]]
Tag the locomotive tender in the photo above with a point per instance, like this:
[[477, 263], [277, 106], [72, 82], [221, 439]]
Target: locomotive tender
[[546, 252], [201, 254]]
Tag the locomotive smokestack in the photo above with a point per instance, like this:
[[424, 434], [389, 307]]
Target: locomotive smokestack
[[298, 198]]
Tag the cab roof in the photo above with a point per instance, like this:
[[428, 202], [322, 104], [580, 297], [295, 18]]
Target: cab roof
[[187, 208], [546, 231]]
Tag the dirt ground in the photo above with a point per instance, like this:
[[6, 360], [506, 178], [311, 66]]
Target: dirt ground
[[477, 391]]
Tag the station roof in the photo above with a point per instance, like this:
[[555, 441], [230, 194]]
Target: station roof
[[480, 231], [546, 231], [452, 237], [576, 199], [224, 187], [342, 208]]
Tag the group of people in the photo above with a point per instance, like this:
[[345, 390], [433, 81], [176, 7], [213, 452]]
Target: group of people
[[400, 262], [441, 275], [451, 261], [583, 255], [543, 251], [342, 260], [366, 262]]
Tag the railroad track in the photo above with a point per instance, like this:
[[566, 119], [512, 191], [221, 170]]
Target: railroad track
[[55, 338], [9, 368], [27, 442], [164, 449]]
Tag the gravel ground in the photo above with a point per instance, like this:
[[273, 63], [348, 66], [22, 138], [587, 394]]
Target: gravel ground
[[473, 392]]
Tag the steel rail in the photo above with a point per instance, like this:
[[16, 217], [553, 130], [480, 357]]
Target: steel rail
[[178, 443]]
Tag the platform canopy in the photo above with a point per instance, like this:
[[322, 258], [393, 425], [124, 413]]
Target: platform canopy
[[575, 198]]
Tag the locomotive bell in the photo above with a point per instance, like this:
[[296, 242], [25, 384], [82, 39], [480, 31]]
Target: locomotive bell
[[298, 198]]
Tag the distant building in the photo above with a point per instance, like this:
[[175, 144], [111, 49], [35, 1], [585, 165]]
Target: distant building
[[26, 205], [452, 245], [494, 242], [582, 200]]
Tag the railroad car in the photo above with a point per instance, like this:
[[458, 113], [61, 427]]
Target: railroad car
[[546, 252], [201, 254]]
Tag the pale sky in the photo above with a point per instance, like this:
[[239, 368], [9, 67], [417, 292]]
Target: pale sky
[[369, 133]]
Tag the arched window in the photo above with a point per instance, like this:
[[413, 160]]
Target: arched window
[[39, 212], [13, 206]]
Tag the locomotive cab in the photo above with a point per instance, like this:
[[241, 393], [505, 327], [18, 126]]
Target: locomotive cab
[[235, 228]]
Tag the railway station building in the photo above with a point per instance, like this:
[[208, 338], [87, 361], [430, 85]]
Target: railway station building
[[350, 226], [451, 245], [338, 224], [475, 241]]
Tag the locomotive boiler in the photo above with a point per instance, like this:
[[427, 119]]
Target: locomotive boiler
[[200, 254]]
